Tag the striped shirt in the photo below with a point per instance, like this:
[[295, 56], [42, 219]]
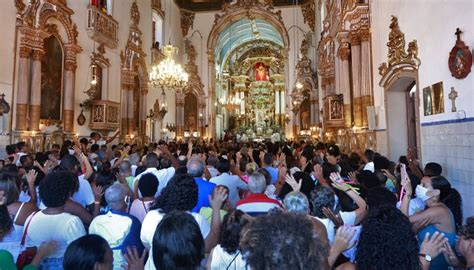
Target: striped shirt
[[257, 204]]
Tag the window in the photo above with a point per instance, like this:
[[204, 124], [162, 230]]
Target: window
[[157, 29], [105, 6]]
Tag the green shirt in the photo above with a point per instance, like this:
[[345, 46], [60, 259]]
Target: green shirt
[[7, 262]]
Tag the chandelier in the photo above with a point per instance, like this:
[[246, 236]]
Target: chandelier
[[231, 103], [167, 73]]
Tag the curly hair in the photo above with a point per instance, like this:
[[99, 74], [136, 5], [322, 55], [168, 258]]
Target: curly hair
[[322, 197], [181, 193], [387, 240], [468, 229], [282, 240], [56, 188], [229, 236]]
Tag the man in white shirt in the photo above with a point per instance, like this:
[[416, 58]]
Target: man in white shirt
[[163, 175], [232, 182], [22, 150]]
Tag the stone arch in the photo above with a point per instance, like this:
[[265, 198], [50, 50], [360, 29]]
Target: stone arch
[[37, 21]]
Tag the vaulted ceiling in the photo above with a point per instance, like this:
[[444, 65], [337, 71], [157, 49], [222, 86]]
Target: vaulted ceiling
[[215, 5]]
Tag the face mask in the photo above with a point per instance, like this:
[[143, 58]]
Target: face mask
[[71, 151], [421, 193]]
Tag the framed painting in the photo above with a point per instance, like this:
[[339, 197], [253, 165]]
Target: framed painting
[[460, 58]]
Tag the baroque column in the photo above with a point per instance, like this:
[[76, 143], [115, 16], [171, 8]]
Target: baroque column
[[366, 86], [143, 111], [71, 50], [35, 95], [179, 114], [356, 71], [22, 90], [212, 96], [344, 53]]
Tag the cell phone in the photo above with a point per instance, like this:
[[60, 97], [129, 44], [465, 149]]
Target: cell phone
[[403, 171]]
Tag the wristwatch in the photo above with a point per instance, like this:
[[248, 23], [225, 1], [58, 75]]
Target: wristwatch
[[426, 257]]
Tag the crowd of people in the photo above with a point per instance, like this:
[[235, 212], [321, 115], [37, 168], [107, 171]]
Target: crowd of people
[[226, 205]]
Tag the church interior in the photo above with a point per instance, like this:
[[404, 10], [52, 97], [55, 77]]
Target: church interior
[[380, 74]]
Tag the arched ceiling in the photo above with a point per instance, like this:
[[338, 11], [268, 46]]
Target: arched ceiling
[[244, 31]]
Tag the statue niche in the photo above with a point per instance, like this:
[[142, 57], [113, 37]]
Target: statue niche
[[51, 79], [190, 113], [305, 113]]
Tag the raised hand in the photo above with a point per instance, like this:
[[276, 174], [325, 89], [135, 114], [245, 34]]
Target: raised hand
[[31, 177], [290, 180], [406, 184], [353, 176], [98, 192], [218, 198], [344, 238], [134, 260], [335, 218], [318, 172]]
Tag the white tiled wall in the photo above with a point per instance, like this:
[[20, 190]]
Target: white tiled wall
[[452, 146]]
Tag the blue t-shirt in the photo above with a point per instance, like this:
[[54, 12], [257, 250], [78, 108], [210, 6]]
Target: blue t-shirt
[[273, 172], [205, 189]]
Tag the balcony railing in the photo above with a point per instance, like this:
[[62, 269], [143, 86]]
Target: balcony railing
[[101, 27], [105, 115]]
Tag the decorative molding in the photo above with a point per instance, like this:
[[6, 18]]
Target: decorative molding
[[187, 21], [194, 83], [156, 5], [396, 50], [309, 14], [99, 57]]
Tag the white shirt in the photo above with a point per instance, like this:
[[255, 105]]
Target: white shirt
[[232, 182], [223, 260], [163, 176], [347, 217], [416, 205], [369, 167], [19, 154], [84, 195], [212, 171], [150, 223], [63, 228]]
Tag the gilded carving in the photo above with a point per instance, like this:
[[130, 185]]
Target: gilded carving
[[396, 49], [134, 13], [309, 14], [25, 52], [187, 21]]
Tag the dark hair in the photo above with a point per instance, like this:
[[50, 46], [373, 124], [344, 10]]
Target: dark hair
[[6, 222], [95, 147], [139, 170], [328, 168], [387, 240], [282, 240], [268, 159], [223, 166], [69, 162], [20, 145], [468, 229], [381, 163], [369, 154], [85, 252], [229, 236], [380, 197], [433, 169], [84, 141], [56, 188], [450, 197], [321, 197], [148, 185], [181, 193], [266, 174], [333, 150], [178, 243], [11, 149], [368, 179], [151, 160]]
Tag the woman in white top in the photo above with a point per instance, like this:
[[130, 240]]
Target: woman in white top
[[226, 255], [14, 212], [181, 194], [53, 223]]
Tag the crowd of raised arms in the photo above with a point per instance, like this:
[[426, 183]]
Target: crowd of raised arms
[[226, 205]]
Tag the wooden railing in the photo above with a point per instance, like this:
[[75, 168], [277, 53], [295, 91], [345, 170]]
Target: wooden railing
[[105, 115], [101, 27]]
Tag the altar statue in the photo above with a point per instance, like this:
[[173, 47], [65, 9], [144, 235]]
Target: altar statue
[[4, 110], [261, 72]]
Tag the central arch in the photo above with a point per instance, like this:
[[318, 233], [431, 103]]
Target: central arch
[[239, 18]]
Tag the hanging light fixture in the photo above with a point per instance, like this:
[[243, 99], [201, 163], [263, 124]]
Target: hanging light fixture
[[168, 74]]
